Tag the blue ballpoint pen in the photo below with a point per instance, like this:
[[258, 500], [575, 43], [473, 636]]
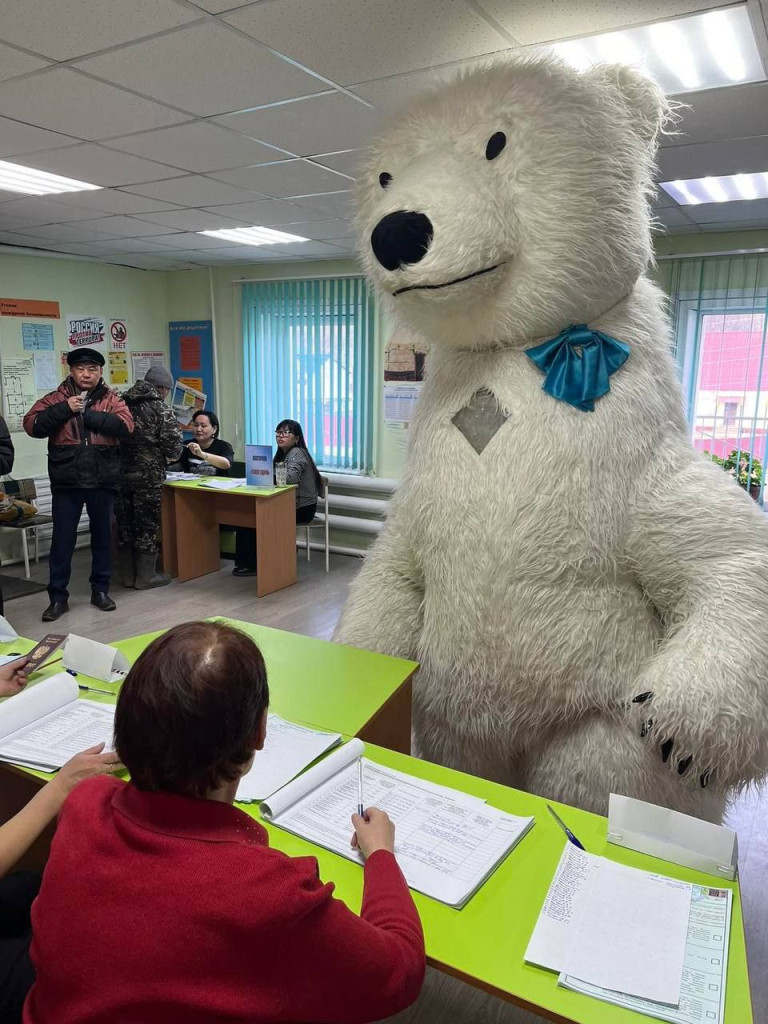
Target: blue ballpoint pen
[[571, 837]]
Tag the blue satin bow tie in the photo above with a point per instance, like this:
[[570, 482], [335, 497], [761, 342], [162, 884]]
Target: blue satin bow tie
[[577, 365]]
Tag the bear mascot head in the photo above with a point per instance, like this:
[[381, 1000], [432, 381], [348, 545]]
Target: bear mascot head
[[573, 577]]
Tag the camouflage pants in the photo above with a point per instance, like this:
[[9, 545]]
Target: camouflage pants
[[137, 509]]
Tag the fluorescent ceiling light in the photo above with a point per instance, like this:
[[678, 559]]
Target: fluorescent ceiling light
[[254, 236], [16, 178], [702, 51], [727, 188]]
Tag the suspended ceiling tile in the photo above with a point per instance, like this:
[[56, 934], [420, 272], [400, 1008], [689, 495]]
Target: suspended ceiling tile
[[45, 210], [14, 62], [111, 200], [390, 94], [320, 124], [161, 244], [206, 69], [333, 205], [747, 211], [193, 240], [20, 238], [323, 229], [70, 28], [345, 162], [673, 218], [737, 112], [313, 249], [17, 139], [248, 254], [193, 190], [736, 156], [529, 21], [66, 101], [288, 178], [197, 146], [193, 220], [79, 232], [264, 212], [355, 40], [100, 166], [128, 227], [219, 6], [737, 225]]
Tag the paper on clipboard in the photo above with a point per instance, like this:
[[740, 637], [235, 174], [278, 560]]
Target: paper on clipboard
[[672, 836]]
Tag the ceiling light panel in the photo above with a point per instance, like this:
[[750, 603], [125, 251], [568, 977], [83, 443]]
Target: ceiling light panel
[[254, 236], [704, 51], [31, 182], [727, 188]]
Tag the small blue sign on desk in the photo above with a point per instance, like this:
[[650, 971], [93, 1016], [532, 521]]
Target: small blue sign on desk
[[258, 465]]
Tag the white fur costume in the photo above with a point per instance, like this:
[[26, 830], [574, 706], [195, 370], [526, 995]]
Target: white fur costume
[[582, 558]]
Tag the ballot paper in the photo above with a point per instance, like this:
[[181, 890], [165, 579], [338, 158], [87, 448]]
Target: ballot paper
[[90, 658], [222, 483], [614, 926], [447, 842], [288, 750], [702, 995], [45, 725]]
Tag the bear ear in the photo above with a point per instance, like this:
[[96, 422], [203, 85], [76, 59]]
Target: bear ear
[[649, 107]]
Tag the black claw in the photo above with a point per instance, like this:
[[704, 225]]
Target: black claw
[[647, 726], [704, 779], [641, 698], [666, 750], [683, 765]]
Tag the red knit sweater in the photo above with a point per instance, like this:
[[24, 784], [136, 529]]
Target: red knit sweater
[[160, 908]]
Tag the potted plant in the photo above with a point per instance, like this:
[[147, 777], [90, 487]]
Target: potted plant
[[746, 470]]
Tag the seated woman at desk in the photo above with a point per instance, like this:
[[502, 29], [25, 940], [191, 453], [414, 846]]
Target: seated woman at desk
[[162, 902], [300, 469], [207, 449], [18, 890]]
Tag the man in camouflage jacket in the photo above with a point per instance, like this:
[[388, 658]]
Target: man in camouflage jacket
[[155, 442]]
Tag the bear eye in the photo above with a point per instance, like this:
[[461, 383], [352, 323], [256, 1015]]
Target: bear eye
[[384, 178], [496, 143]]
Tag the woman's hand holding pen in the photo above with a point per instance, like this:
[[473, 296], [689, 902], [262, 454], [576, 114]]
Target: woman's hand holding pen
[[373, 831]]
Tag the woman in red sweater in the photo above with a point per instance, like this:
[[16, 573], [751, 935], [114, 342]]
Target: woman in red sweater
[[162, 902]]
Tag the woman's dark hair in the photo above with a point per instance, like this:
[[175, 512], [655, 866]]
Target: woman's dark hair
[[189, 710], [214, 419], [295, 428]]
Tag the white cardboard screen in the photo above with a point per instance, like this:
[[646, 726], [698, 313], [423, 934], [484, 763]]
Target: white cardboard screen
[[94, 659], [7, 632], [672, 836]]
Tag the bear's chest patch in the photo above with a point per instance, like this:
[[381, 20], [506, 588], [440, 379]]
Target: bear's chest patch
[[480, 419]]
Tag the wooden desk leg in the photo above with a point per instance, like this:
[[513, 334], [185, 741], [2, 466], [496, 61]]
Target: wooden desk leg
[[16, 790], [275, 542], [197, 534], [391, 725], [168, 519]]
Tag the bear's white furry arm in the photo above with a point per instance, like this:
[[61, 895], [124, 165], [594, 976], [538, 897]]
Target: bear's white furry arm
[[383, 611], [699, 546]]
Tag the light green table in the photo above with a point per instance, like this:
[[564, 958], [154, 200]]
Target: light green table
[[484, 943]]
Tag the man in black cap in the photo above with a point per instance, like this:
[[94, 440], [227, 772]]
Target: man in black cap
[[83, 420]]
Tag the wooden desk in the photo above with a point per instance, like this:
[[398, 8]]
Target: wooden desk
[[192, 514]]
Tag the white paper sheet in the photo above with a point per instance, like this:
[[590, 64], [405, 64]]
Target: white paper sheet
[[702, 995], [46, 371], [288, 749], [446, 842], [222, 483], [614, 926]]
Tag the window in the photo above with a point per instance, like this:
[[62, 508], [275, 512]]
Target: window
[[308, 356]]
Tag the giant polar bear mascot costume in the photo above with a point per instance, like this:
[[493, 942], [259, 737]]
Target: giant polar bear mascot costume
[[576, 581]]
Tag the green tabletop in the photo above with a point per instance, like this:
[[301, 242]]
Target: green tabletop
[[487, 939], [264, 492]]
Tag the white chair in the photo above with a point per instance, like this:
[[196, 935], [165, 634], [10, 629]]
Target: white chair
[[26, 491], [319, 523]]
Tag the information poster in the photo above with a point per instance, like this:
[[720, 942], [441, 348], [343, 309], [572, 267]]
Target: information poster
[[86, 332], [185, 403], [37, 337], [33, 309], [141, 362], [19, 391], [64, 365], [404, 365], [118, 367], [118, 335], [191, 345], [400, 402], [46, 372]]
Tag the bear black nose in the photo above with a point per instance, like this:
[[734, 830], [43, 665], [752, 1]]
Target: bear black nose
[[401, 238]]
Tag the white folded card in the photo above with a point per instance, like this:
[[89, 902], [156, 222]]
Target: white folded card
[[672, 836], [7, 632], [94, 659]]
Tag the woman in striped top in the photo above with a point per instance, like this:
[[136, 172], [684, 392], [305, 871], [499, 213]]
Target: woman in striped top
[[300, 469]]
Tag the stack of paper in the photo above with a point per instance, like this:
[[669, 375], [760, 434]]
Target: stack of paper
[[288, 749], [447, 843], [222, 483], [629, 937], [45, 725], [181, 476]]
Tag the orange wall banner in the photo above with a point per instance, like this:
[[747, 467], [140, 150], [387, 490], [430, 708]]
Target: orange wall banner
[[37, 309]]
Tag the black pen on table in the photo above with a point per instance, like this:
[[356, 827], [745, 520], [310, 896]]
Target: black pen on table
[[360, 787], [571, 837]]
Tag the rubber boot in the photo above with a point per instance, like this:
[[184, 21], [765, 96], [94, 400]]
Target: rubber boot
[[147, 575], [125, 567]]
